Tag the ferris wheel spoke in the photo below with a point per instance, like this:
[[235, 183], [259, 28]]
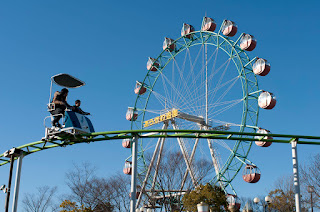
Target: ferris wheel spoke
[[209, 93], [191, 69], [225, 123], [224, 93], [203, 68], [224, 109], [199, 107], [161, 99], [220, 80], [184, 85], [174, 63], [213, 74], [166, 90], [181, 96]]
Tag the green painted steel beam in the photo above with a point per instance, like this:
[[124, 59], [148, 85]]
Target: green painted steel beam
[[122, 134]]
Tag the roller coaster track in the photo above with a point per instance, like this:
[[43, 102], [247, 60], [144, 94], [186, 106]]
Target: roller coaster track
[[67, 140]]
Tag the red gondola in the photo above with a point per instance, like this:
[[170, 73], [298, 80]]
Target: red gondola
[[251, 174], [138, 192], [127, 169], [248, 42], [267, 100], [131, 114], [229, 28], [208, 24], [139, 89], [261, 67], [186, 30], [152, 65], [263, 143], [126, 143], [168, 45]]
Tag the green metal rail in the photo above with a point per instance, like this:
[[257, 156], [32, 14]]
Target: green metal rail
[[114, 135]]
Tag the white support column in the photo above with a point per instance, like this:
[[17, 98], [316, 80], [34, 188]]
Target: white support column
[[191, 159], [185, 156], [17, 184], [134, 175], [157, 165], [296, 174], [165, 126]]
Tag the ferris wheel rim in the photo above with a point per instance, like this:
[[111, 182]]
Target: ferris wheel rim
[[245, 92]]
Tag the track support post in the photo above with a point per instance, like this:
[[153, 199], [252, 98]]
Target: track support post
[[17, 184], [294, 142], [133, 190], [9, 184], [12, 154]]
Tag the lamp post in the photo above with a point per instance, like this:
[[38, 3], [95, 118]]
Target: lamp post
[[311, 190], [265, 205]]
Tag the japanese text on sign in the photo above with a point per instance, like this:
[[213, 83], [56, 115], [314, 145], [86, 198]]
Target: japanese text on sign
[[163, 117]]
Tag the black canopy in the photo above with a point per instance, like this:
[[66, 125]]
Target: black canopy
[[66, 80]]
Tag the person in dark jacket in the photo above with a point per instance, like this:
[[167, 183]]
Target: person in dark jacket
[[60, 105], [76, 108]]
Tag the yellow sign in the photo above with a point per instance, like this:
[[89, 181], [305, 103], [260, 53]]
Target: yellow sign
[[163, 117]]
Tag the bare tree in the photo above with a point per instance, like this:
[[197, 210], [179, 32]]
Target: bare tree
[[99, 194], [283, 195], [310, 176], [170, 177], [120, 188], [78, 181], [41, 201]]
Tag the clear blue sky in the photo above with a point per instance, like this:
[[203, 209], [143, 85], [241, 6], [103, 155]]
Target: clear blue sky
[[106, 44]]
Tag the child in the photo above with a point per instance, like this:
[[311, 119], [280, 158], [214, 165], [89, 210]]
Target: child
[[76, 108]]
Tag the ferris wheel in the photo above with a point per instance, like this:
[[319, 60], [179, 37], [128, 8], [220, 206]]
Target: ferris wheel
[[204, 80]]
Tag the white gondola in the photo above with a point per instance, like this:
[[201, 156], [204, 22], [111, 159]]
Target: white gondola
[[267, 100], [127, 169], [152, 65], [248, 42], [168, 45], [139, 88], [229, 28], [264, 136], [186, 30], [126, 143], [208, 24], [261, 67], [131, 114]]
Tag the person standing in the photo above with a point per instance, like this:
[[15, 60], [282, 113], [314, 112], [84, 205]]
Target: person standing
[[60, 103]]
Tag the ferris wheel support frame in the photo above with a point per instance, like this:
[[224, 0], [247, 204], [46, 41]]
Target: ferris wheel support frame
[[37, 146]]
